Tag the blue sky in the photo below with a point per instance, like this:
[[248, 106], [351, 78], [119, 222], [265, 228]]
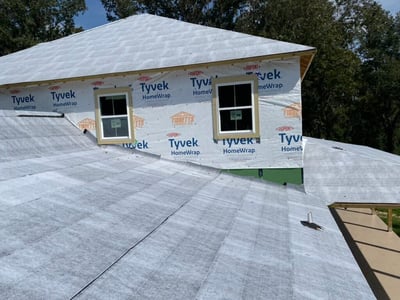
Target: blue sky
[[96, 15], [391, 5]]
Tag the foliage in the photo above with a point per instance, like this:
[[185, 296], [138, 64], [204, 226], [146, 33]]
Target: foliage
[[25, 23], [383, 214], [220, 14], [118, 9], [332, 78], [379, 49]]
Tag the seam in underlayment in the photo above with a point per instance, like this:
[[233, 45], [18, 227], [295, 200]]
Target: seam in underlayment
[[221, 245], [130, 249], [127, 251]]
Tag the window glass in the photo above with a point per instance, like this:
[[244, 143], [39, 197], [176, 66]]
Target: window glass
[[226, 95], [112, 105], [234, 95], [235, 107], [113, 119], [243, 94], [115, 127], [232, 120], [106, 106], [119, 107]]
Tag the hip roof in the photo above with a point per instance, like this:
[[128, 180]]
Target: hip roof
[[136, 44]]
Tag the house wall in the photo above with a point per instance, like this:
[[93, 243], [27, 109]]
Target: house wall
[[173, 113]]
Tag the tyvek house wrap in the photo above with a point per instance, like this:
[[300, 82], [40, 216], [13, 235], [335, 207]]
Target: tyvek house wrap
[[172, 112]]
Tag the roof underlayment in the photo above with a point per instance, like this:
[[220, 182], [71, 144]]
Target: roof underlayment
[[131, 45], [339, 172], [82, 221], [79, 220]]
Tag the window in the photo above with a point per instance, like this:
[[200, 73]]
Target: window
[[113, 116], [235, 107]]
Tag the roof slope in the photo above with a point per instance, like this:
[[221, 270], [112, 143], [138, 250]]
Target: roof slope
[[109, 223], [339, 172], [141, 42]]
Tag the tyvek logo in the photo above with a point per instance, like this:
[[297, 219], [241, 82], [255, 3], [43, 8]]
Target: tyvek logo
[[270, 80], [54, 88], [290, 142], [63, 95], [238, 146], [201, 86], [200, 83], [149, 87], [23, 99], [157, 91], [23, 102], [142, 145], [239, 141], [183, 148], [263, 76], [290, 138], [179, 144]]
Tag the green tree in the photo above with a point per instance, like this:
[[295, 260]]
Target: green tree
[[331, 82], [180, 9], [222, 14], [379, 49], [351, 92], [24, 23], [185, 10], [118, 9]]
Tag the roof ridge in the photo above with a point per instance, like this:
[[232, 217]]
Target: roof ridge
[[132, 44]]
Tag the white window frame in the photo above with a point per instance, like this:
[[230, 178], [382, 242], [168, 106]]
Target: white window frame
[[101, 139], [235, 80]]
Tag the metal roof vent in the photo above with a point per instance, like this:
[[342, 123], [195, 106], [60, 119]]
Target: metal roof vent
[[309, 223]]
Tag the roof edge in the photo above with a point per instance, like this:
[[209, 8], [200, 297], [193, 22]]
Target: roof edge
[[305, 55]]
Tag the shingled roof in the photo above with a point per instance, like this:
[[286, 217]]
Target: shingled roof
[[136, 44]]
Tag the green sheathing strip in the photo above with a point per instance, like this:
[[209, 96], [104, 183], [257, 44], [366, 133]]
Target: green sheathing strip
[[281, 176]]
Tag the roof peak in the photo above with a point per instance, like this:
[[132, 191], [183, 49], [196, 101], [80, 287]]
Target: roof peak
[[136, 44]]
